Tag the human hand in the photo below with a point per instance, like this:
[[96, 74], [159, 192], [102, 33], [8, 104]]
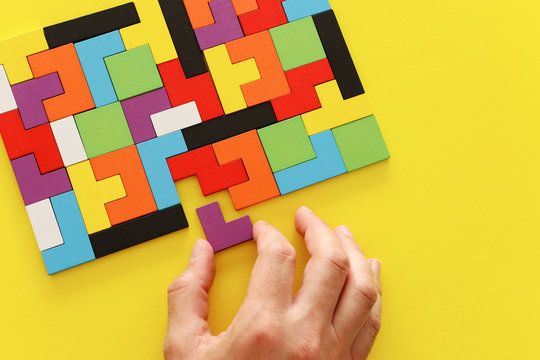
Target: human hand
[[335, 314]]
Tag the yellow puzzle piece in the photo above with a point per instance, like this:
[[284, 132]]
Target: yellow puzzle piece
[[13, 53], [92, 195], [228, 77], [335, 111], [152, 30]]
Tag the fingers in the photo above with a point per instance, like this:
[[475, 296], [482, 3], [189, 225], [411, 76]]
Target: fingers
[[325, 272], [359, 294], [188, 293], [272, 277], [366, 338]]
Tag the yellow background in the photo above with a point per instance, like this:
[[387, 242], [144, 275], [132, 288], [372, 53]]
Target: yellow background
[[453, 215]]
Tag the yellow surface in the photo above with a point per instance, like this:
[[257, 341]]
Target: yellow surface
[[228, 77], [335, 111], [13, 53], [92, 195], [453, 215]]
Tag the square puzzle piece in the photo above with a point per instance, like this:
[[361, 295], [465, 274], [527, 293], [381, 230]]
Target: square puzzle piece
[[100, 117]]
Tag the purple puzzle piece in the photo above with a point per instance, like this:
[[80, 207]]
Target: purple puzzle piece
[[220, 234], [226, 27], [138, 111], [30, 94], [36, 187]]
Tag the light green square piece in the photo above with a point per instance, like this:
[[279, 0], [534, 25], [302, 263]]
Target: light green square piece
[[298, 43], [133, 72], [361, 143], [286, 144], [104, 130]]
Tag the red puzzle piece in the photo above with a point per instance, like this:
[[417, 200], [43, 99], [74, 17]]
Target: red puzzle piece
[[303, 97], [269, 15], [199, 89], [203, 163], [39, 140]]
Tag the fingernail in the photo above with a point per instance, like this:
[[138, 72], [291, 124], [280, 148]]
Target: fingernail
[[305, 208], [197, 249], [345, 230], [375, 266]]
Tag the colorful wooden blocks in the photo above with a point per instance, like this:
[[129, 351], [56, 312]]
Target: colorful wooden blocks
[[102, 114]]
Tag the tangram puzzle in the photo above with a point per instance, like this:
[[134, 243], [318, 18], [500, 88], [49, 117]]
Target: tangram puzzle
[[100, 115]]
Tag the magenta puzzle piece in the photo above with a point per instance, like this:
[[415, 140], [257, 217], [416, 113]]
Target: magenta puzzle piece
[[35, 186], [220, 234], [138, 110], [30, 94], [226, 27]]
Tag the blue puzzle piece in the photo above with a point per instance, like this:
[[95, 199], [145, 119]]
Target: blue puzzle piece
[[91, 54], [298, 9], [328, 164], [154, 154], [76, 249]]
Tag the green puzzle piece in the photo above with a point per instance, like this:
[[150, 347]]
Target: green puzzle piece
[[286, 144], [133, 72], [297, 43], [104, 130], [361, 143]]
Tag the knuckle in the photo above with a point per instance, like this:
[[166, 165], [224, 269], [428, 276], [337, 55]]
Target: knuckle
[[338, 261], [171, 350], [374, 325], [309, 350], [180, 284], [366, 291], [284, 253], [265, 331]]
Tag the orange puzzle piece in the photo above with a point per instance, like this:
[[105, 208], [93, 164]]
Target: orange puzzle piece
[[77, 97], [139, 200], [245, 6], [261, 185], [273, 82], [199, 13]]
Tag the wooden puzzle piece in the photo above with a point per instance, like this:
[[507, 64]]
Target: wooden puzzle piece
[[77, 97], [326, 165], [335, 111], [7, 100], [225, 28], [203, 163], [244, 6], [338, 54], [35, 186], [152, 31], [183, 37], [133, 72], [297, 43], [199, 89], [92, 54], [76, 249], [199, 13], [44, 224], [39, 140], [154, 154], [228, 77], [30, 95], [103, 130], [139, 200], [269, 14], [361, 143], [303, 97], [177, 118], [92, 25], [272, 82], [138, 110], [139, 230], [13, 53], [286, 144], [220, 234], [261, 185], [92, 195], [69, 141], [298, 9], [226, 126]]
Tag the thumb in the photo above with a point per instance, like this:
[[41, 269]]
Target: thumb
[[188, 293]]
